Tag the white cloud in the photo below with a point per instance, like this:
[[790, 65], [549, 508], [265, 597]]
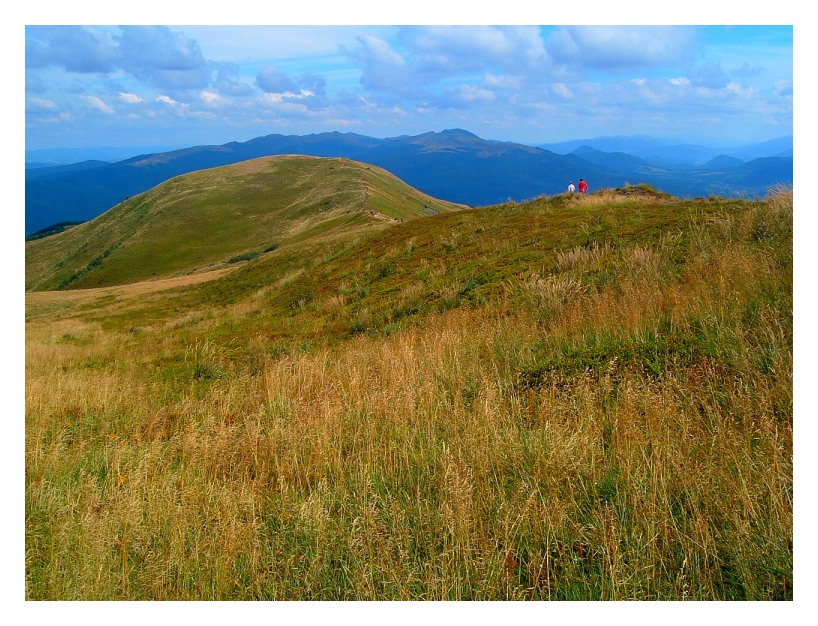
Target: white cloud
[[162, 57], [359, 75], [36, 102], [503, 81], [380, 51], [384, 68], [97, 103], [469, 93], [275, 98], [740, 91], [239, 43], [455, 48], [130, 98], [618, 48], [60, 118]]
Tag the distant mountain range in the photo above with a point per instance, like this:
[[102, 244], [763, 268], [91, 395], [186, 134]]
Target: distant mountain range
[[674, 153], [65, 156], [453, 165]]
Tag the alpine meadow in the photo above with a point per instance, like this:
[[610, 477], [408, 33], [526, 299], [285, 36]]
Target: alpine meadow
[[300, 378]]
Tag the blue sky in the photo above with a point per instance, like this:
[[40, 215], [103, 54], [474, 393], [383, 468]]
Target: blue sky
[[89, 86]]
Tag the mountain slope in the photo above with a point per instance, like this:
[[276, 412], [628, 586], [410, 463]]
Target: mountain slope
[[750, 179], [50, 171], [214, 217], [459, 166], [574, 398], [612, 161]]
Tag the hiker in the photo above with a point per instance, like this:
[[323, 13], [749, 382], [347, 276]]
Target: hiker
[[583, 186], [571, 187]]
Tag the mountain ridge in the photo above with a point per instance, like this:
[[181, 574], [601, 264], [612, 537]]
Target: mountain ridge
[[453, 165]]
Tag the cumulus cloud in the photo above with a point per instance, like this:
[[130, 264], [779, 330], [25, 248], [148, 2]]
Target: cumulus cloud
[[445, 49], [165, 99], [154, 54], [404, 78], [42, 104], [423, 56], [227, 80], [741, 92], [383, 67], [317, 85], [619, 48], [130, 98], [75, 48], [162, 57], [503, 81], [280, 88], [97, 103], [275, 98], [273, 80], [471, 94]]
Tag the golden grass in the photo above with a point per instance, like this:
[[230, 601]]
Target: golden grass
[[419, 465]]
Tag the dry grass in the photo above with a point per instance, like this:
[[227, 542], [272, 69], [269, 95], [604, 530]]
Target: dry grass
[[425, 464]]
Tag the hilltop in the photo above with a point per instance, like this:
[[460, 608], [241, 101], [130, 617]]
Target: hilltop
[[212, 218]]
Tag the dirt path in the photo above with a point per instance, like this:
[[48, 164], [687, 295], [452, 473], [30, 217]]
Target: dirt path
[[130, 290]]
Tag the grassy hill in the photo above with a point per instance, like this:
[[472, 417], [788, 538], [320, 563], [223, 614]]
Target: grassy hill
[[219, 216], [573, 398]]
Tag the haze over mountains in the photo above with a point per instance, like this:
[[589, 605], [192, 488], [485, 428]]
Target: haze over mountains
[[678, 153], [452, 165]]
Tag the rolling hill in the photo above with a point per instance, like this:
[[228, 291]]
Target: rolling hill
[[220, 216], [571, 398]]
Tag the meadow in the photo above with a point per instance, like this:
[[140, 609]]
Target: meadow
[[565, 399]]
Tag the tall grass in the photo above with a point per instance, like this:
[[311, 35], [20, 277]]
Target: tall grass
[[619, 428]]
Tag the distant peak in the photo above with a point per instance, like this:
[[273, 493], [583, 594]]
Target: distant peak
[[458, 132]]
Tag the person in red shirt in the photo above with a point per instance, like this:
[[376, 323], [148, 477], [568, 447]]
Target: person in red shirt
[[583, 186]]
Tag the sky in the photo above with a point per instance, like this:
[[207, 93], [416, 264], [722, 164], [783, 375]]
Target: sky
[[181, 85]]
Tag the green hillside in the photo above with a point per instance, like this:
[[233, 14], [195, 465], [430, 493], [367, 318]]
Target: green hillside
[[573, 398], [383, 281], [219, 216]]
